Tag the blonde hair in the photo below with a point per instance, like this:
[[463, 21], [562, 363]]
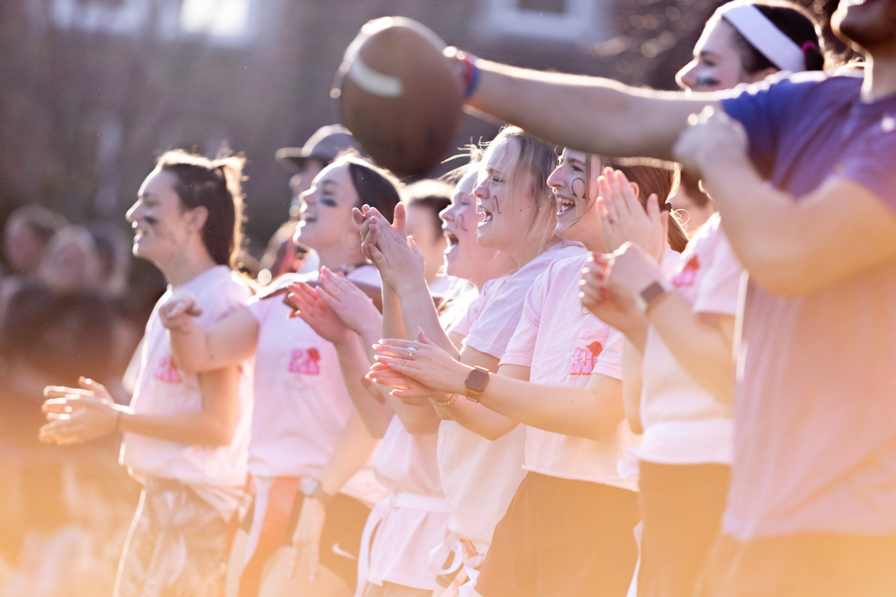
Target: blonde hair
[[536, 159]]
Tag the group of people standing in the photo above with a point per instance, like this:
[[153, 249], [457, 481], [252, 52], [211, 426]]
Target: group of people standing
[[614, 403]]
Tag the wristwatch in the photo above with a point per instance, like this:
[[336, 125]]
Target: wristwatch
[[475, 383], [652, 293], [311, 488]]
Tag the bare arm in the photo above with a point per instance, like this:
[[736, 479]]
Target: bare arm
[[78, 415], [590, 412], [632, 363], [598, 116], [476, 417], [229, 341], [352, 450], [512, 399], [702, 343], [354, 310], [786, 245], [401, 267], [212, 426], [329, 311]]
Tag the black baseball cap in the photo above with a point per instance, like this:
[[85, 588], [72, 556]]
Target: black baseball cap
[[324, 145]]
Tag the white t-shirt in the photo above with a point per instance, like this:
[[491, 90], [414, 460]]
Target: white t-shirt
[[407, 463], [480, 476], [683, 422], [218, 474], [564, 345], [301, 402]]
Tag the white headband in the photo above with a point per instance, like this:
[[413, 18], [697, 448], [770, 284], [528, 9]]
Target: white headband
[[764, 36]]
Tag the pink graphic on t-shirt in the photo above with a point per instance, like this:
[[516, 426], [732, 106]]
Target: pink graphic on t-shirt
[[305, 360], [166, 371], [688, 273], [584, 358]]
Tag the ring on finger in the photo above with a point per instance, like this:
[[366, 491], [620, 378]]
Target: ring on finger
[[411, 351]]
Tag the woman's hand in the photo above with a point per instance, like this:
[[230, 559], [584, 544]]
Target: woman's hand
[[395, 255], [618, 311], [630, 270], [306, 538], [178, 311], [408, 390], [78, 415], [424, 362], [350, 303], [313, 310], [624, 220]]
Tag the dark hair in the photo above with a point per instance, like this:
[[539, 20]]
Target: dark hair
[[375, 186], [654, 179], [433, 195], [795, 22], [217, 186]]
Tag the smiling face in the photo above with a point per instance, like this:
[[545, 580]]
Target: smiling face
[[464, 257], [507, 207], [577, 216], [326, 215], [717, 62], [870, 24], [161, 225]]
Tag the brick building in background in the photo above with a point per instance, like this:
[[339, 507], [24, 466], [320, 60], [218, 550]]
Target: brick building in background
[[90, 90]]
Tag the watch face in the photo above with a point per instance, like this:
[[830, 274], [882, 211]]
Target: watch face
[[652, 292], [477, 380]]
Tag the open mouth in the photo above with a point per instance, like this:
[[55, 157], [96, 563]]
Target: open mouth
[[308, 219], [564, 206], [488, 217], [452, 240]]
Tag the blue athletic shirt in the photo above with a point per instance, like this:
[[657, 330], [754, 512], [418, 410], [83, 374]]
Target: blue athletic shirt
[[815, 404]]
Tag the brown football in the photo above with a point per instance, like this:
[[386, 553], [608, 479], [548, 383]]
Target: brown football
[[398, 95]]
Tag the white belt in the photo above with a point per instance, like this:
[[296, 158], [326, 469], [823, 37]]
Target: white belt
[[393, 502]]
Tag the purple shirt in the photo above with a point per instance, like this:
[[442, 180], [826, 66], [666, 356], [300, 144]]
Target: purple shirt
[[815, 405]]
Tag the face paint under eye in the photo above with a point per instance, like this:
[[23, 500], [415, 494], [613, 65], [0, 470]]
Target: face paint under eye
[[327, 202], [706, 81], [150, 220]]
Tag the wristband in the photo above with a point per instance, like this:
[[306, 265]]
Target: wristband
[[443, 403], [471, 73], [310, 488]]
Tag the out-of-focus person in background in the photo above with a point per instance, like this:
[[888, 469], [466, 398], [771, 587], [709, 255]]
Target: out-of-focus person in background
[[28, 231], [26, 235], [282, 254]]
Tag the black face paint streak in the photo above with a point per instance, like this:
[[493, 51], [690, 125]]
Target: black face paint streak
[[150, 220], [328, 202], [706, 81], [460, 222], [578, 187], [497, 205]]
